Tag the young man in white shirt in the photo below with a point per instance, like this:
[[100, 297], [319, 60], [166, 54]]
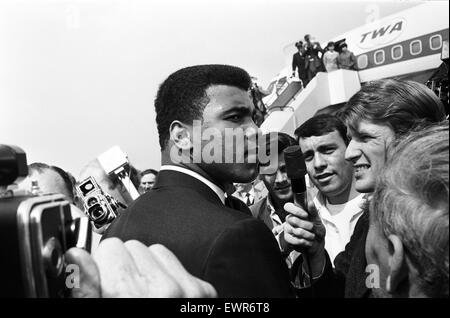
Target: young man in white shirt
[[323, 141]]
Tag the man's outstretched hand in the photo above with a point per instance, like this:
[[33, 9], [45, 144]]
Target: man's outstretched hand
[[132, 269]]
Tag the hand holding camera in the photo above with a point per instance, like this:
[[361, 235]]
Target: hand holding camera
[[41, 258], [100, 207]]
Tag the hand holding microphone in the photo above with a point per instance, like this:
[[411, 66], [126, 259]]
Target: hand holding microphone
[[303, 229]]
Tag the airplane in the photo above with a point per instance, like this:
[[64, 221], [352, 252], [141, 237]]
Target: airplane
[[406, 44], [410, 45]]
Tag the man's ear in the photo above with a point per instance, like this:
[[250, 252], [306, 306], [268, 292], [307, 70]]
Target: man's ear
[[181, 134], [398, 270]]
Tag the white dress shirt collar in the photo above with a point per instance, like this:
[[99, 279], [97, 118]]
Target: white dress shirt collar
[[353, 206], [242, 195], [217, 190]]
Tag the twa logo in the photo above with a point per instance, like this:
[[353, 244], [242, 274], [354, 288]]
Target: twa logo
[[382, 34]]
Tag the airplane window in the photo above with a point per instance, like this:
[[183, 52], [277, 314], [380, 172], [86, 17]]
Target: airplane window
[[397, 52], [379, 57], [436, 42], [362, 61], [416, 47]]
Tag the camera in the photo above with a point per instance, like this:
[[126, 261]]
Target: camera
[[101, 208], [116, 165], [35, 232]]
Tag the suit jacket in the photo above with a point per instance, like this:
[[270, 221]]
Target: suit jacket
[[313, 62], [237, 254], [347, 61], [298, 61], [261, 212]]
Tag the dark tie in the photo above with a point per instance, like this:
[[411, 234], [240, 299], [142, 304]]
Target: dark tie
[[249, 202]]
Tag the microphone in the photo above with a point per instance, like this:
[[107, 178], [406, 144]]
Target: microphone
[[296, 171]]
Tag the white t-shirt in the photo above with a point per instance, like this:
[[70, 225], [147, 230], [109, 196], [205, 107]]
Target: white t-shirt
[[339, 221]]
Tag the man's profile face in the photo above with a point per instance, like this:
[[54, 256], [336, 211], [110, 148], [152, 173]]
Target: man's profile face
[[230, 109], [367, 152], [325, 162], [147, 182], [278, 184]]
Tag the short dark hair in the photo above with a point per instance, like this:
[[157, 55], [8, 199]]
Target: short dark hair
[[284, 141], [321, 125], [400, 105], [331, 43], [182, 96], [149, 171]]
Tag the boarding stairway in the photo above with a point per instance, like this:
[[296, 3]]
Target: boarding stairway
[[292, 106]]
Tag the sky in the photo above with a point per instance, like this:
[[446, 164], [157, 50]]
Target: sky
[[78, 77]]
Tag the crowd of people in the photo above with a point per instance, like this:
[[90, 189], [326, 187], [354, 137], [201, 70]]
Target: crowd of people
[[43, 178], [311, 58], [376, 222]]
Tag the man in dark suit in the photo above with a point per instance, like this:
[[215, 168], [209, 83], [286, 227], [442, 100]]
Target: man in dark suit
[[188, 209], [299, 63], [313, 63]]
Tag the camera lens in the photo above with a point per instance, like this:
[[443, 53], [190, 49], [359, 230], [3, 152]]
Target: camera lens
[[97, 213], [53, 257], [92, 201]]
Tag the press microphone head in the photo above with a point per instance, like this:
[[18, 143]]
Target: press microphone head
[[295, 164], [296, 171]]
